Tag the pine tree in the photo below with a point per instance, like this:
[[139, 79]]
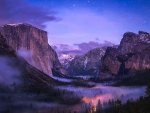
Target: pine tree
[[148, 89], [118, 106], [99, 105]]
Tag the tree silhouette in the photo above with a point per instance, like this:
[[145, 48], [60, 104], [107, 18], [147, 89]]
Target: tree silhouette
[[148, 89], [118, 106]]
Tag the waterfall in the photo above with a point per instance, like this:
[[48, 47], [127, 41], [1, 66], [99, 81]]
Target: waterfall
[[123, 68]]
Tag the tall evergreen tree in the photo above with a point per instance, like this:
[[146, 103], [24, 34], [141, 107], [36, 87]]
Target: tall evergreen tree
[[99, 106], [148, 89]]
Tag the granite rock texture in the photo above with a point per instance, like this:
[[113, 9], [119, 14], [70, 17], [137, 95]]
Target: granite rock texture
[[32, 44], [86, 64], [133, 52], [25, 73]]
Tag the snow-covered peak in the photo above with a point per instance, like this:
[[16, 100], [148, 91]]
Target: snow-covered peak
[[65, 58], [14, 24], [17, 24]]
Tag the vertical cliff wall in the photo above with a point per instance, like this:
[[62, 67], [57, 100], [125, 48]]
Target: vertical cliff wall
[[32, 44], [133, 48], [18, 70]]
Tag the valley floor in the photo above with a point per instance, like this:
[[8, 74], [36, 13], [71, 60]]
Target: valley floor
[[72, 98]]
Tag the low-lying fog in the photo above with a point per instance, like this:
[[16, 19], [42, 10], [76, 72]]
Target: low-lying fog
[[104, 93], [90, 96]]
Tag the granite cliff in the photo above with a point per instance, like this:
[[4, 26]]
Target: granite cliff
[[17, 70], [32, 44], [131, 55], [86, 64]]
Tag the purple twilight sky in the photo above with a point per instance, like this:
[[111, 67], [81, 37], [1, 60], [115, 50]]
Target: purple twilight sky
[[79, 25]]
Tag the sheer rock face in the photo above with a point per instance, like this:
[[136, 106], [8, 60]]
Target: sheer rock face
[[4, 48], [32, 44], [109, 62], [86, 64], [26, 73], [134, 51], [132, 42]]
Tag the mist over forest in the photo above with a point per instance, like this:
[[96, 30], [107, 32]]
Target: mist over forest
[[74, 56]]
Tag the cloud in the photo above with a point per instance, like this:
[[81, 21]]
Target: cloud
[[104, 93], [96, 39], [24, 53], [92, 44], [8, 72], [19, 11], [66, 49], [82, 25], [81, 48]]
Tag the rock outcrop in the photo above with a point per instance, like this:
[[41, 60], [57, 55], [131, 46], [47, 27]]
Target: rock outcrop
[[86, 64], [32, 44], [26, 73], [132, 54], [4, 48]]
